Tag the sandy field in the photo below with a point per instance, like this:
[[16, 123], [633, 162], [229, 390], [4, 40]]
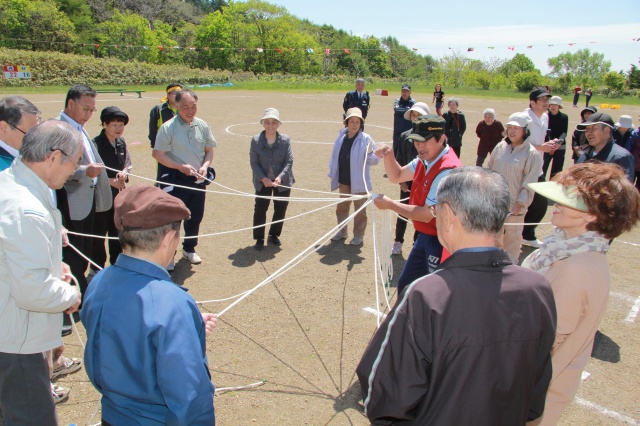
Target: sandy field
[[303, 334]]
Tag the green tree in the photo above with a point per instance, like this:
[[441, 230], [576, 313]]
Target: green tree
[[585, 67], [633, 77], [214, 34], [133, 37], [401, 59], [519, 63], [453, 68], [526, 81], [35, 25], [614, 81]]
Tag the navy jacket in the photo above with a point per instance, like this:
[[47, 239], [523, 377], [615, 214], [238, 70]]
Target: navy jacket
[[352, 100], [611, 153]]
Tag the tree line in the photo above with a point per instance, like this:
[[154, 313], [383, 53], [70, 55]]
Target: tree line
[[260, 37]]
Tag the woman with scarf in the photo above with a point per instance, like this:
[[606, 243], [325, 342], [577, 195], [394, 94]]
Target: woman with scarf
[[595, 203]]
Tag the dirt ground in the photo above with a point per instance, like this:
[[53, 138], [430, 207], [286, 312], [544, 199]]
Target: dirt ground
[[304, 333]]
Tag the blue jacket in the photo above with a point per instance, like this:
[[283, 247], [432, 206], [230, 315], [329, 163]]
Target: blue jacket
[[5, 159], [146, 347], [612, 153], [401, 106]]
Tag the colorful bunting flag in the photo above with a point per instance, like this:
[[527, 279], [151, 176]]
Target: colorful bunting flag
[[259, 49], [470, 49], [511, 48], [490, 47], [309, 50], [327, 51], [529, 47], [347, 51], [278, 50]]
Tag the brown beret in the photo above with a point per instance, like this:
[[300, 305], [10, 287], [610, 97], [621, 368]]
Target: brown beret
[[147, 207]]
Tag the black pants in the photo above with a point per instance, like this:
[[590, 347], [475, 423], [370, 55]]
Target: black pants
[[194, 200], [77, 263], [456, 149], [401, 225], [480, 161], [535, 213], [556, 160], [104, 225], [25, 390], [260, 211]]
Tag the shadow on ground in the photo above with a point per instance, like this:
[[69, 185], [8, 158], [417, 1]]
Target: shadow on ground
[[605, 349]]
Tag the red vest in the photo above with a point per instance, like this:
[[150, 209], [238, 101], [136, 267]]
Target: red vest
[[422, 185]]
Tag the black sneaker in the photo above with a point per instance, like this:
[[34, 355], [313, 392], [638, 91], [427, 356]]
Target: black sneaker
[[275, 240], [259, 245], [66, 330]]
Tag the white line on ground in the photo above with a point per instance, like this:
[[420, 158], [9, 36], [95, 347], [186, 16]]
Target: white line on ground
[[633, 313], [623, 296], [606, 412], [375, 312]]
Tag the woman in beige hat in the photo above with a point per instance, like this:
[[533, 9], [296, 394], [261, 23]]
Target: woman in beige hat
[[271, 160], [519, 163], [351, 158], [595, 202]]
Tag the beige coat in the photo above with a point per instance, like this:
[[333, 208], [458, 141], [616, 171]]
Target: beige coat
[[580, 286]]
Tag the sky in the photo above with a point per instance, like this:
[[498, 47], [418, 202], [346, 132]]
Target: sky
[[439, 28]]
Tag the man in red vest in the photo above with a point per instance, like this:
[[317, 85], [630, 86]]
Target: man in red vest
[[435, 160]]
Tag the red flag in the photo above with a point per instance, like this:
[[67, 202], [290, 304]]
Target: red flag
[[279, 50], [347, 51], [529, 47], [571, 44], [327, 51], [511, 48], [160, 47], [470, 49], [97, 46]]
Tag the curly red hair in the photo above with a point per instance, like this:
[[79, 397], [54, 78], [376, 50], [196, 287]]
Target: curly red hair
[[608, 194]]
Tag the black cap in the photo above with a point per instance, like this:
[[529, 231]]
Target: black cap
[[406, 87], [111, 113], [591, 109], [597, 118], [538, 93], [425, 127]]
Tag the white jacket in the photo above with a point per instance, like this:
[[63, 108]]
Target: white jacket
[[32, 296], [362, 157]]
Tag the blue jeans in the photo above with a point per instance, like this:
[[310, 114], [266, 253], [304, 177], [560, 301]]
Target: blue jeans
[[423, 260]]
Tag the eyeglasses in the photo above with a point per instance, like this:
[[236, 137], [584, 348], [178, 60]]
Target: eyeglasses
[[77, 166], [87, 110], [19, 129]]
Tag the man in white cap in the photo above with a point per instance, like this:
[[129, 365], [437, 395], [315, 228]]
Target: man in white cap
[[598, 129], [622, 132], [558, 129]]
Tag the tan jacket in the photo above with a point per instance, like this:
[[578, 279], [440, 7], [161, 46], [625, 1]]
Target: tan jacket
[[580, 286]]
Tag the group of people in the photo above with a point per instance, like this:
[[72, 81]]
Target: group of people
[[464, 306], [460, 294]]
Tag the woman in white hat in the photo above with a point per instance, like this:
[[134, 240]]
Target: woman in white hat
[[351, 158], [622, 132], [595, 202], [271, 160], [520, 164]]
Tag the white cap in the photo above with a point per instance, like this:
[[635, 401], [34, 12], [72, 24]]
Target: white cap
[[520, 119], [625, 121]]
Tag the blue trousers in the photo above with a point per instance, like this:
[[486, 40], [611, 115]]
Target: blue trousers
[[423, 260]]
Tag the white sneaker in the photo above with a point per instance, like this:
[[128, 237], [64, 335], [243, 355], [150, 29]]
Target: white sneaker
[[356, 241], [172, 266], [397, 248], [193, 258], [339, 236], [532, 243]]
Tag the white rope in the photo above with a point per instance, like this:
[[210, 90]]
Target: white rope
[[235, 388], [375, 264], [297, 259], [227, 232], [386, 258], [235, 191]]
